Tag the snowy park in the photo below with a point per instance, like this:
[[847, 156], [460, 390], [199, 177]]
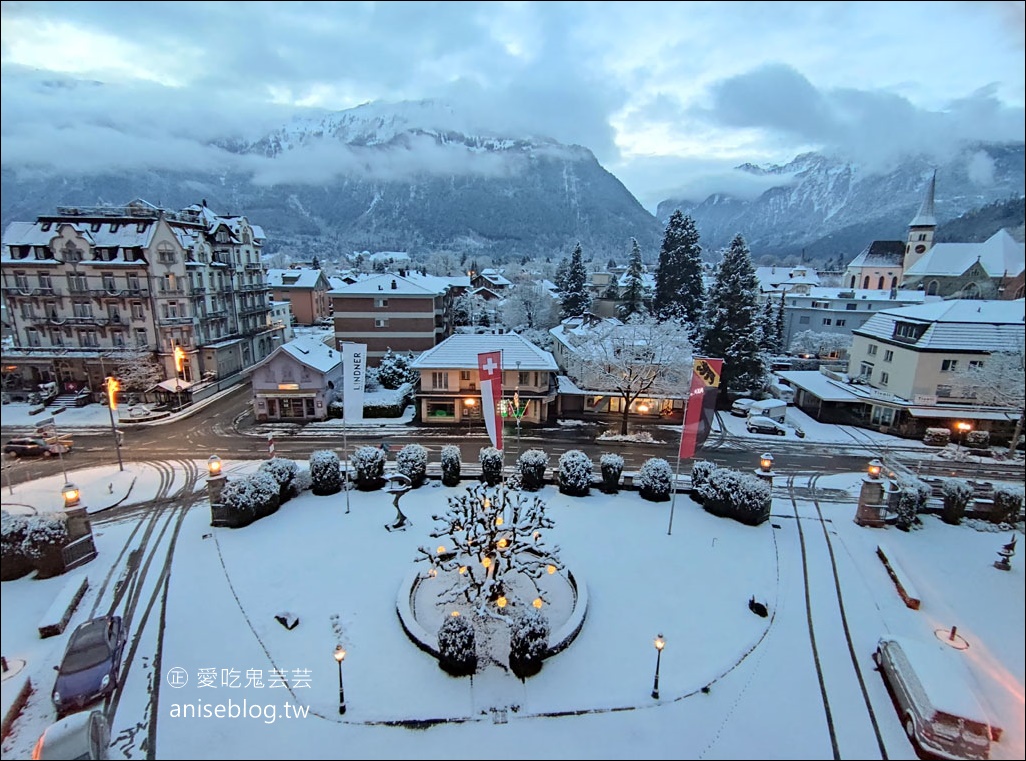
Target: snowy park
[[212, 603]]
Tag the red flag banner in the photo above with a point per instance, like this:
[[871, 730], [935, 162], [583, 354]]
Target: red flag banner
[[489, 370], [701, 404]]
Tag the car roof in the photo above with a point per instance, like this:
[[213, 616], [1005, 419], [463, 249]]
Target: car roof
[[764, 419], [91, 631]]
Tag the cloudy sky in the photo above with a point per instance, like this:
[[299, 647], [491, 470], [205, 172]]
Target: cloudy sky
[[669, 96]]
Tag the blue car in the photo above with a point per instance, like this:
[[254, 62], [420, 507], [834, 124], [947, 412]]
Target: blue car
[[89, 669]]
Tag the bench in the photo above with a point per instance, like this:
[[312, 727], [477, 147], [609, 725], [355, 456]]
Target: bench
[[63, 606], [901, 579]]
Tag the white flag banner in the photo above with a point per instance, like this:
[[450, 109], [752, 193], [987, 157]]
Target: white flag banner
[[354, 373], [489, 369]]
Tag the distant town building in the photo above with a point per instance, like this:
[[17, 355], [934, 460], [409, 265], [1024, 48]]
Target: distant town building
[[306, 290]]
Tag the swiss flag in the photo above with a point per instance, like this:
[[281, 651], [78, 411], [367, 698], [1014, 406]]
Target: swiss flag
[[489, 370]]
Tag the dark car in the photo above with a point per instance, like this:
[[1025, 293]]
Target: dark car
[[762, 424], [89, 669], [28, 446]]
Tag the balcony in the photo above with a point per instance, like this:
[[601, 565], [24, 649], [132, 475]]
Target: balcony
[[169, 292], [164, 321]]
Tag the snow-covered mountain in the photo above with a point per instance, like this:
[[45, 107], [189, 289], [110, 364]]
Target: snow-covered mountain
[[407, 176], [830, 208]]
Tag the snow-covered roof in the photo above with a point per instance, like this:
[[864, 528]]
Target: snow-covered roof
[[116, 232], [437, 283], [958, 325], [308, 351], [392, 285], [294, 278], [881, 253], [820, 292], [496, 279], [775, 278], [460, 351], [580, 326], [1000, 255]]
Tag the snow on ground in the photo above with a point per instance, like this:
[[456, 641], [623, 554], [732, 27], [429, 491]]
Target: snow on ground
[[339, 573]]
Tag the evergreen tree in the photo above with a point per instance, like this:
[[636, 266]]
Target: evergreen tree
[[679, 293], [634, 291], [562, 272], [780, 325], [575, 299], [733, 321]]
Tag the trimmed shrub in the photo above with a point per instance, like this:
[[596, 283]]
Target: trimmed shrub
[[528, 642], [45, 537], [977, 440], [531, 466], [911, 501], [325, 472], [700, 471], [655, 480], [412, 462], [266, 493], [1007, 504], [730, 493], [368, 468], [451, 463], [457, 652], [14, 563], [937, 437], [394, 370], [611, 466], [302, 482], [284, 472], [575, 469], [491, 465], [250, 497], [956, 495]]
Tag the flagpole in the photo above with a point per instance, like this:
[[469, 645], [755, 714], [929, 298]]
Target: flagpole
[[345, 451], [676, 473]]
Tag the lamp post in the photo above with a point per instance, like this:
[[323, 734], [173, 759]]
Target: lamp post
[[871, 506], [468, 409], [963, 428], [340, 655], [765, 471], [659, 643], [215, 484], [80, 547], [113, 386]]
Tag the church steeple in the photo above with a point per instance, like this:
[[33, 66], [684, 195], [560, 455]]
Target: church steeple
[[922, 227]]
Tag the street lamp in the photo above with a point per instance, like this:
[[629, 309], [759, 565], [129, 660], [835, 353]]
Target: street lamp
[[875, 468], [468, 409], [340, 655], [659, 643], [963, 428], [214, 466]]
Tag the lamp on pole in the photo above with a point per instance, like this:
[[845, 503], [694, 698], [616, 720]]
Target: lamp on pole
[[659, 643], [113, 386], [468, 409], [340, 655], [963, 428]]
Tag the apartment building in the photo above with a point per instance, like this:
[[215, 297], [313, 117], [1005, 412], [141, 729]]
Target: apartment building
[[88, 288]]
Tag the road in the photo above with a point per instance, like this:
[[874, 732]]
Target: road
[[226, 428]]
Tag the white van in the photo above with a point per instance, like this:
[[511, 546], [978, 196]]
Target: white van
[[935, 701], [774, 409], [780, 391]]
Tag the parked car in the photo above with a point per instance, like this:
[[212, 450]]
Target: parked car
[[760, 424], [35, 446], [930, 686], [741, 406], [84, 735], [91, 663]]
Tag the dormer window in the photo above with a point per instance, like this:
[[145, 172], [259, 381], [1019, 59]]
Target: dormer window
[[94, 227], [45, 227], [908, 332]]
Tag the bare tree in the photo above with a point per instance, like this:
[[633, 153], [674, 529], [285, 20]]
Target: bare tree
[[138, 370], [639, 357], [998, 381], [530, 307], [820, 343], [489, 536]]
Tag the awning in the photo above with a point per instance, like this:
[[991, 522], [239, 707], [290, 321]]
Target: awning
[[174, 385], [962, 412]]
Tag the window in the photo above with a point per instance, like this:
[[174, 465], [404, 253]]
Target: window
[[922, 236], [880, 283], [931, 289], [851, 307], [88, 338], [133, 283], [523, 379], [871, 350], [865, 283], [117, 338], [820, 304], [56, 339], [909, 332], [45, 284], [33, 337], [866, 370], [464, 375], [943, 390], [882, 416], [108, 282], [440, 380], [381, 303], [140, 337], [21, 281], [949, 365], [137, 310], [94, 227], [827, 321], [27, 312], [884, 377], [77, 283], [45, 227], [82, 309], [803, 320], [840, 323], [888, 355], [975, 364], [381, 322]]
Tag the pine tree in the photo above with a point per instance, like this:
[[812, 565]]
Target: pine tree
[[575, 297], [780, 325], [768, 328], [733, 320], [679, 293], [634, 292]]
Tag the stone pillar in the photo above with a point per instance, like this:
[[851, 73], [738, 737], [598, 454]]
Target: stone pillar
[[872, 504]]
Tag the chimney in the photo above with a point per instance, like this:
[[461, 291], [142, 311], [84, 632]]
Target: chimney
[[395, 286]]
